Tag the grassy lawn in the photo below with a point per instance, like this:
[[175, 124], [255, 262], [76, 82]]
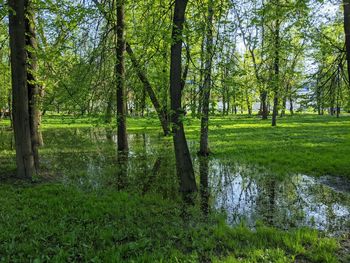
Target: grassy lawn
[[308, 144], [53, 222]]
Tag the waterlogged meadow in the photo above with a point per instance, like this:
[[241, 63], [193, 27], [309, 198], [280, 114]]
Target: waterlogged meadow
[[265, 194]]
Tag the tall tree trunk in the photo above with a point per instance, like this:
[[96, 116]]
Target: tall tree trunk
[[21, 122], [204, 148], [32, 83], [276, 77], [347, 32], [120, 76], [161, 111], [249, 107], [264, 108], [228, 98], [200, 99], [143, 103], [319, 98], [291, 107], [182, 154], [284, 105]]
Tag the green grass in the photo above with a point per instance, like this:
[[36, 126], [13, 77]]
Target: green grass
[[54, 222], [307, 144]]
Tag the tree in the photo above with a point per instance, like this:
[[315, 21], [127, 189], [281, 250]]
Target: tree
[[161, 111], [204, 149], [120, 78], [276, 66], [21, 120], [183, 159], [32, 83], [347, 33]]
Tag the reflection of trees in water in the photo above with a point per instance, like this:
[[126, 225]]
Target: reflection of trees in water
[[89, 158], [204, 184], [249, 195]]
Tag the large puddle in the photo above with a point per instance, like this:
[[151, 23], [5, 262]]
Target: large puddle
[[88, 158], [298, 200]]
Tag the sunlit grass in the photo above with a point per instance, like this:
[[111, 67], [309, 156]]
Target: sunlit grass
[[63, 222], [60, 224]]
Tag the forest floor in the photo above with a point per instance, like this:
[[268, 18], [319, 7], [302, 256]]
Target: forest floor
[[73, 212]]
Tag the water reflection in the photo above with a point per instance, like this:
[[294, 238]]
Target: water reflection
[[299, 200], [204, 184], [245, 193], [89, 159]]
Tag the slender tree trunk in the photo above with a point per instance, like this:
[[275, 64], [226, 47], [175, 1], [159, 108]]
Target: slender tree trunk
[[291, 108], [161, 111], [204, 148], [228, 98], [234, 107], [120, 76], [21, 121], [347, 32], [276, 77], [182, 154], [143, 103], [200, 100], [249, 107], [32, 83], [318, 98], [284, 105], [264, 109]]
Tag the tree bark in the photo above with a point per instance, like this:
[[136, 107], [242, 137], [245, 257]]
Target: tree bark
[[347, 32], [200, 99], [21, 122], [291, 108], [32, 83], [120, 77], [204, 148], [276, 77], [161, 111], [264, 108], [183, 159]]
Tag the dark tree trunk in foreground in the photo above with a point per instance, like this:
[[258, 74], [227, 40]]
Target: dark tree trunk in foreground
[[184, 165], [21, 122], [161, 111], [347, 32], [120, 76], [32, 83], [204, 148]]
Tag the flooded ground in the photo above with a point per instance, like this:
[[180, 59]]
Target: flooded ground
[[88, 158]]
